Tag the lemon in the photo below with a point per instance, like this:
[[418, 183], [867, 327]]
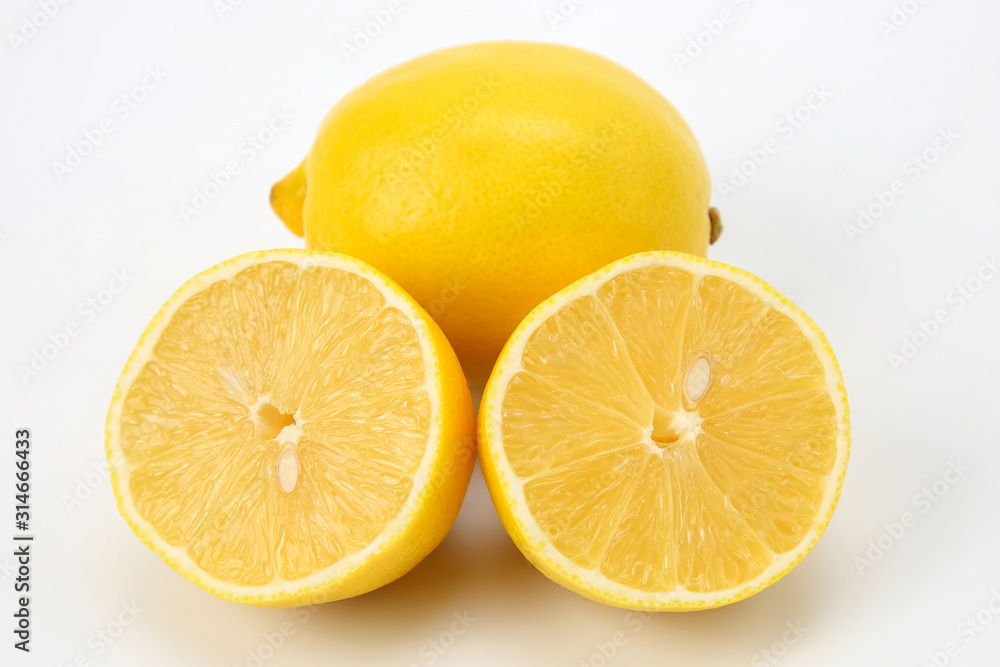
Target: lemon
[[291, 428], [668, 433], [486, 177]]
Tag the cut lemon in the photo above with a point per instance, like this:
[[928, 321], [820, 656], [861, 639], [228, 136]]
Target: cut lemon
[[290, 429], [668, 433]]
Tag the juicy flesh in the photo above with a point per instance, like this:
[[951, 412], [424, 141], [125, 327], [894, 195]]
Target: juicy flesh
[[638, 466], [278, 423]]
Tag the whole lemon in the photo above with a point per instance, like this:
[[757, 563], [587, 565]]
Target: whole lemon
[[485, 178]]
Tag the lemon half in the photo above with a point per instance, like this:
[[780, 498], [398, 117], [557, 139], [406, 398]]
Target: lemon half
[[668, 433], [290, 429]]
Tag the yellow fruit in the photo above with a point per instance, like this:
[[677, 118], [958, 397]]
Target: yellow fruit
[[668, 433], [291, 428], [486, 177]]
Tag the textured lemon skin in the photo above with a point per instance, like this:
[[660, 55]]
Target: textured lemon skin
[[521, 528], [436, 507], [486, 177]]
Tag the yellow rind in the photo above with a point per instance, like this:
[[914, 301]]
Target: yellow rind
[[288, 197], [485, 177], [537, 550], [433, 507]]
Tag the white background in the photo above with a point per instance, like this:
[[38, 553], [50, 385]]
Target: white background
[[119, 210]]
